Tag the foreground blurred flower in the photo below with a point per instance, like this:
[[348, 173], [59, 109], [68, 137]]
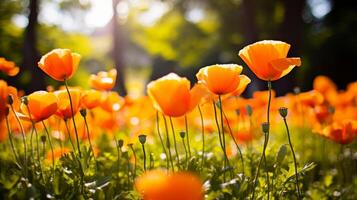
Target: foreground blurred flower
[[8, 67], [64, 107], [172, 96], [158, 185], [41, 105], [222, 79], [268, 59], [60, 64], [103, 80]]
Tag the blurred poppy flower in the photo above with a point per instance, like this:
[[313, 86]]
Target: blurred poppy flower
[[60, 64], [8, 67], [268, 59], [158, 185], [172, 96], [41, 104], [91, 99], [112, 102], [57, 153], [103, 80], [341, 132], [64, 107], [311, 98], [220, 79]]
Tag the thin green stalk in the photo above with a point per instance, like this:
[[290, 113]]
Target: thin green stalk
[[17, 161], [220, 138], [23, 138], [69, 136], [135, 159], [295, 164], [118, 154], [90, 142], [186, 153], [187, 137], [74, 121], [144, 153], [259, 166], [175, 143], [51, 146], [235, 142], [161, 141], [168, 144], [203, 136]]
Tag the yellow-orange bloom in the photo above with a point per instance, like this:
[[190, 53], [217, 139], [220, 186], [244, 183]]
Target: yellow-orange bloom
[[91, 99], [103, 80], [268, 59], [158, 185], [172, 96], [60, 64], [8, 67], [64, 107], [220, 79], [341, 132], [41, 104]]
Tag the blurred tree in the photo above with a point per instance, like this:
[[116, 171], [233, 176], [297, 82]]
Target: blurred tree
[[117, 51]]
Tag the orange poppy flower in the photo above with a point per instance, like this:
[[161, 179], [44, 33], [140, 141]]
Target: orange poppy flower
[[91, 99], [220, 79], [311, 98], [41, 104], [103, 80], [172, 96], [112, 102], [57, 153], [158, 185], [60, 64], [268, 59], [8, 67], [341, 132], [64, 107]]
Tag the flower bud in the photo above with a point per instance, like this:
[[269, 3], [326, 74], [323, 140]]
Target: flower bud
[[10, 99], [25, 100], [83, 112], [120, 143], [283, 111], [182, 134], [142, 139], [238, 112], [331, 110], [297, 90], [249, 110], [265, 127], [43, 138]]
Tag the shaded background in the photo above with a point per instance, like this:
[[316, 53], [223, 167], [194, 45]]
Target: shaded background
[[146, 39]]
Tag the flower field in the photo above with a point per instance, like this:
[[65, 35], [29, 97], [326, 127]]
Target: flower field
[[183, 141]]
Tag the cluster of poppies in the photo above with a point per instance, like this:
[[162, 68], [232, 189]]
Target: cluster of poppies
[[213, 104]]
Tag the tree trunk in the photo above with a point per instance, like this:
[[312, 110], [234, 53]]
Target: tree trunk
[[30, 53], [117, 51], [291, 32]]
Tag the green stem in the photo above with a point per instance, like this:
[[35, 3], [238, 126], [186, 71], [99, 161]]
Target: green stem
[[259, 166], [168, 144], [50, 141], [235, 142], [23, 138], [144, 153], [69, 136], [187, 137], [203, 136], [135, 160], [90, 142], [17, 161], [186, 154], [295, 164], [175, 143], [161, 141], [74, 122]]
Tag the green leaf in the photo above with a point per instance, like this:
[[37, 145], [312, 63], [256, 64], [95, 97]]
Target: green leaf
[[281, 154]]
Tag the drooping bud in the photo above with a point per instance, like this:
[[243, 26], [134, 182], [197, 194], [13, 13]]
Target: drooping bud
[[283, 111], [249, 110], [142, 139], [83, 112], [265, 127], [10, 99], [182, 134], [120, 143], [25, 100], [43, 138]]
